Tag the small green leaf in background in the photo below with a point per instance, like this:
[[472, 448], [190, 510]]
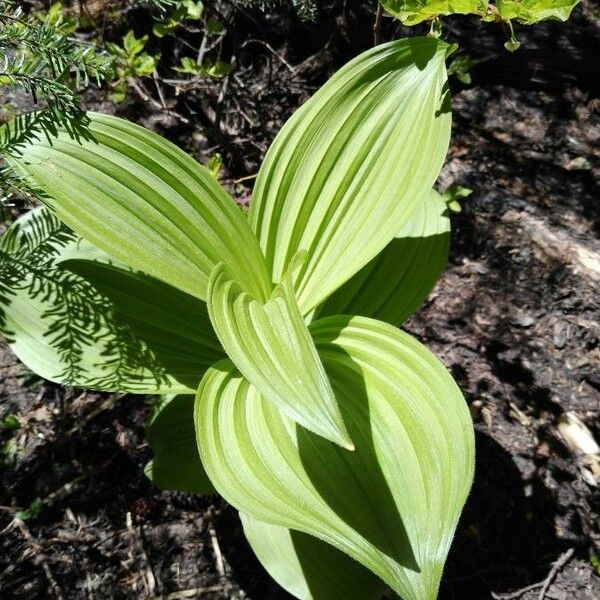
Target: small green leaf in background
[[453, 195], [532, 11], [9, 451], [193, 10], [214, 27], [411, 12], [595, 561], [130, 61], [32, 512], [186, 10], [58, 18], [10, 423], [215, 162], [143, 65], [189, 66], [208, 67], [132, 44], [461, 66], [217, 68]]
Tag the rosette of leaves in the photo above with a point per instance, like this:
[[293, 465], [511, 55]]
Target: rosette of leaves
[[343, 442]]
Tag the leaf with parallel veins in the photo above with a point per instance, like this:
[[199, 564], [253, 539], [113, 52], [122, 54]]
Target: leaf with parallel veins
[[74, 315], [270, 344], [394, 502], [145, 202], [346, 171]]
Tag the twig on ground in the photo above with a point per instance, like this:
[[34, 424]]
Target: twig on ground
[[108, 404], [562, 560], [245, 178], [191, 593], [159, 90], [138, 551], [217, 551], [270, 48], [219, 562], [40, 558], [517, 593], [145, 95], [559, 563]]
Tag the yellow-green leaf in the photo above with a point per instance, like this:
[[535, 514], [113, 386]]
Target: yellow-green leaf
[[395, 283], [393, 503], [411, 12], [346, 171], [532, 11], [270, 344], [307, 567], [74, 315], [145, 202]]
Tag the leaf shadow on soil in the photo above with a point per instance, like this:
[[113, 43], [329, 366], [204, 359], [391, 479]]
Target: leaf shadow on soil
[[505, 537]]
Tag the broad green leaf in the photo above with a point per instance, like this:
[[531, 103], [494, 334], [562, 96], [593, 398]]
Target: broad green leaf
[[532, 11], [307, 567], [75, 316], [395, 283], [346, 171], [145, 202], [411, 12], [271, 346], [176, 463], [394, 502]]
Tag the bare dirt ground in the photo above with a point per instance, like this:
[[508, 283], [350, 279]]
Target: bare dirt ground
[[516, 318]]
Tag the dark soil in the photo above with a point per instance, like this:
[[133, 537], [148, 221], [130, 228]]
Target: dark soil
[[516, 317]]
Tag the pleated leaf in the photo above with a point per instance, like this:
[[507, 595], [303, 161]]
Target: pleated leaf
[[345, 172], [307, 567], [394, 502], [270, 344], [396, 282], [145, 202], [175, 464], [411, 12], [74, 315]]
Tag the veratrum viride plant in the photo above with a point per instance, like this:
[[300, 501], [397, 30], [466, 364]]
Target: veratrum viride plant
[[343, 442]]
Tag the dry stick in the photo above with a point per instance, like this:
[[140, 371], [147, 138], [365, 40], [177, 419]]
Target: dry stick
[[40, 558], [270, 48], [377, 25], [106, 405], [217, 551], [220, 563], [563, 559], [144, 94], [518, 593], [560, 562], [159, 90], [191, 593], [245, 178], [136, 550]]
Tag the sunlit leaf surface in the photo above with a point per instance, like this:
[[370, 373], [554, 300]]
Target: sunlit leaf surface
[[394, 502]]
